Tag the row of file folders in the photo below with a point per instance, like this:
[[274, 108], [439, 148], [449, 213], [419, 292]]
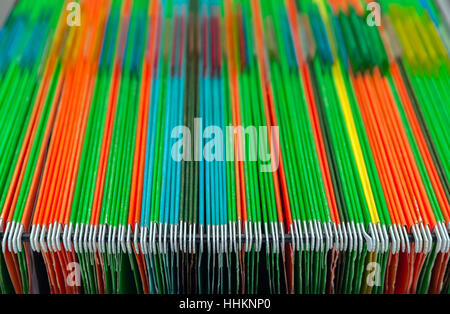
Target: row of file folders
[[235, 146]]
